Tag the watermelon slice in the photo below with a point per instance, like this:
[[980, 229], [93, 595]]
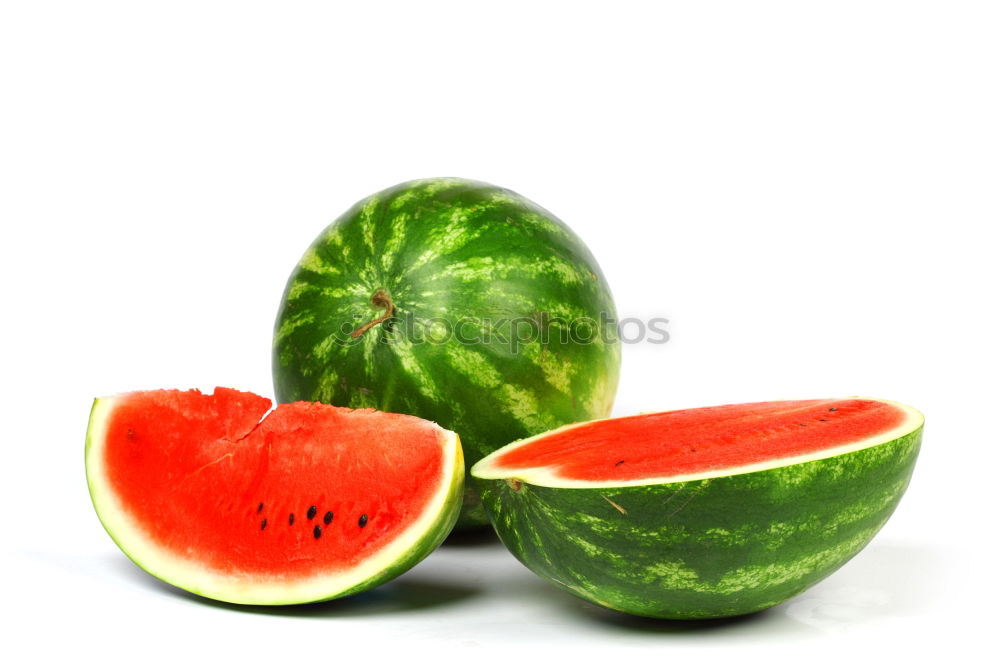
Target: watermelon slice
[[307, 503], [704, 512]]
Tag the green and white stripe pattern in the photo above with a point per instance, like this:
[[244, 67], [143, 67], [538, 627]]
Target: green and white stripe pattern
[[712, 547], [451, 255]]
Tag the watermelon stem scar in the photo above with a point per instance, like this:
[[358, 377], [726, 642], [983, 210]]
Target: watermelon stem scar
[[380, 298]]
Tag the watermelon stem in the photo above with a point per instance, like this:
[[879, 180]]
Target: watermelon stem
[[379, 299]]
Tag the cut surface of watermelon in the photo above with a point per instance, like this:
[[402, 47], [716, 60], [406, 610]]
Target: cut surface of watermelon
[[216, 495], [692, 444]]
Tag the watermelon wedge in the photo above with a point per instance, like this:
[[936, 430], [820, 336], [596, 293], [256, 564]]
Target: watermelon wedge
[[702, 513], [306, 503]]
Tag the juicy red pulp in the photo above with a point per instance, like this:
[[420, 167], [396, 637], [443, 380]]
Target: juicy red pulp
[[309, 488], [693, 441]]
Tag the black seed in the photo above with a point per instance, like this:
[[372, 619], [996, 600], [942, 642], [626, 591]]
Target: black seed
[[824, 419], [363, 520], [802, 424], [693, 450], [263, 523], [833, 409], [311, 513], [328, 517], [619, 463], [291, 519], [317, 532], [260, 507]]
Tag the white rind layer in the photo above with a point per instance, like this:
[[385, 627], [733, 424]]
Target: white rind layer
[[548, 476], [190, 574]]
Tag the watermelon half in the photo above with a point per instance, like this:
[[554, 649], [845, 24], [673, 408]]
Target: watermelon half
[[306, 503], [702, 513]]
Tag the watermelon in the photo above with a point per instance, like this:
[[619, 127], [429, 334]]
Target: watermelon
[[308, 503], [702, 513], [456, 301]]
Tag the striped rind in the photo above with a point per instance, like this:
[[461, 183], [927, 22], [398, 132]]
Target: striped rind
[[712, 547], [450, 253], [412, 545]]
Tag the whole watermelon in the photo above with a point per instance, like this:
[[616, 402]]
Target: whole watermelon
[[456, 301]]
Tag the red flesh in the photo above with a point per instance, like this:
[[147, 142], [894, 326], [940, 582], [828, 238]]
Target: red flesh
[[192, 470], [693, 441]]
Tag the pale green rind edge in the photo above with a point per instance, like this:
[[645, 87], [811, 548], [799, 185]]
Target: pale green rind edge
[[393, 559]]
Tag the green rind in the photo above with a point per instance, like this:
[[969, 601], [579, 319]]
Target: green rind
[[452, 250], [405, 559], [702, 549]]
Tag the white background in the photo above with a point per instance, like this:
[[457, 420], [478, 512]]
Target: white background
[[808, 191]]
